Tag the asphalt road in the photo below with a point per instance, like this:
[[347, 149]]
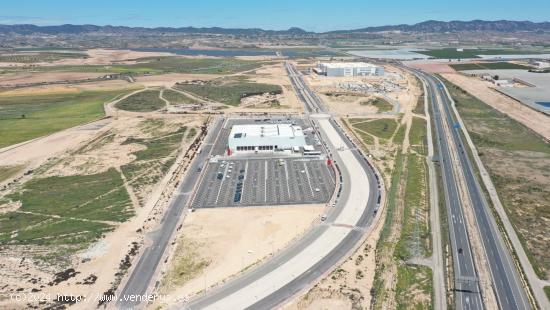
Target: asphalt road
[[505, 278], [143, 273], [320, 265]]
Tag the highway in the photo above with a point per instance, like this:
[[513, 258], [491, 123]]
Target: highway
[[141, 276], [504, 276], [321, 248]]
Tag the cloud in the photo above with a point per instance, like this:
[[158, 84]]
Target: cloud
[[40, 21]]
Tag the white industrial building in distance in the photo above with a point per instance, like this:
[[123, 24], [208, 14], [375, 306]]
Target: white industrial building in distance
[[265, 138], [348, 69]]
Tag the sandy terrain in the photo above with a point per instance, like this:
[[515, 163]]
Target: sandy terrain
[[70, 88], [168, 80], [48, 77], [537, 121], [432, 67], [229, 247]]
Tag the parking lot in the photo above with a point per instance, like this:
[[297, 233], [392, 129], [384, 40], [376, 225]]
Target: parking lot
[[272, 181]]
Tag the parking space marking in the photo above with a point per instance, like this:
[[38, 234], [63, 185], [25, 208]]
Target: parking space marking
[[221, 185], [286, 180], [265, 181], [308, 179]]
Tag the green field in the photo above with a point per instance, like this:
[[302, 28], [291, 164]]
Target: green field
[[452, 53], [415, 237], [488, 66], [27, 117], [175, 97], [381, 104], [412, 282], [66, 210], [145, 101], [40, 57], [159, 65], [230, 92], [382, 128], [417, 135], [518, 161]]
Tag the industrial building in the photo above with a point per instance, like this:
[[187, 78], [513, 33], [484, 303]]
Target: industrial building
[[348, 69], [265, 138]]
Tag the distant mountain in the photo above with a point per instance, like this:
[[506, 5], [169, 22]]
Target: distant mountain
[[431, 26], [90, 29], [434, 26]]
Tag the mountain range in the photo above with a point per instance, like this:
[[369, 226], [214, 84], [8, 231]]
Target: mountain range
[[431, 26]]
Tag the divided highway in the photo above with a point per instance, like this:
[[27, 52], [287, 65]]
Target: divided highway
[[320, 249], [504, 276]]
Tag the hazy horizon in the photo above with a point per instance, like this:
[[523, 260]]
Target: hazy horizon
[[316, 16]]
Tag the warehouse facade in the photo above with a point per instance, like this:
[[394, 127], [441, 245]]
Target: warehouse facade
[[348, 69], [265, 138]]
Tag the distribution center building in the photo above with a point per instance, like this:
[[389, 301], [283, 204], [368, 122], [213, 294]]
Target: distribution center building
[[265, 137], [348, 69]]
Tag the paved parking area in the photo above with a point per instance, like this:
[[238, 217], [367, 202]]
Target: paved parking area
[[272, 181]]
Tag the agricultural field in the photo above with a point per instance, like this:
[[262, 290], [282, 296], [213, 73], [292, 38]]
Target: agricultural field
[[159, 65], [25, 117], [228, 92], [40, 57], [144, 101], [176, 97], [518, 161], [452, 53], [488, 66]]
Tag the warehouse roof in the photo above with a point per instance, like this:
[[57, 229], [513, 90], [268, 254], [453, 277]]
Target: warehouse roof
[[347, 64], [266, 130]]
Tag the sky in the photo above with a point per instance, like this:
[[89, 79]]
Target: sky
[[320, 15]]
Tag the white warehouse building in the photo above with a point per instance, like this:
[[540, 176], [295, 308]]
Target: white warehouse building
[[265, 137], [348, 69]]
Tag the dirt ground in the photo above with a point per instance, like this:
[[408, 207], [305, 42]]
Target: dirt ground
[[273, 74], [229, 247], [48, 77], [432, 67], [537, 121]]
